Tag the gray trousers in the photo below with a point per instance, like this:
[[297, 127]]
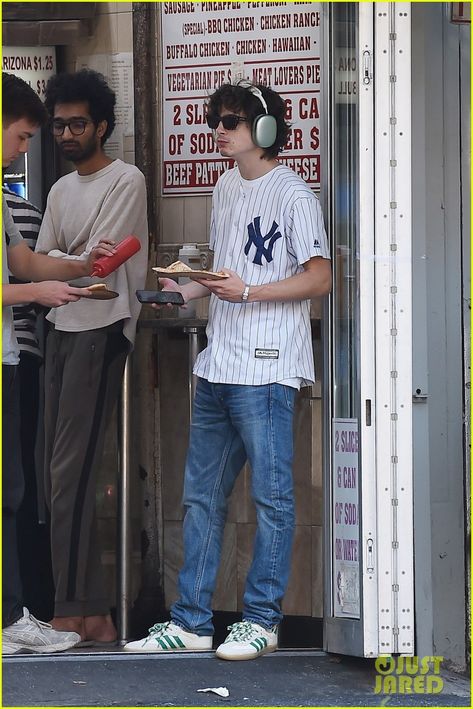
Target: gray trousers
[[83, 374]]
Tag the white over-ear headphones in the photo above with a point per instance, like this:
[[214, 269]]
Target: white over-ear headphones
[[265, 128]]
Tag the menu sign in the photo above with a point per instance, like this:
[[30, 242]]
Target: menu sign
[[206, 44], [35, 65], [346, 519]]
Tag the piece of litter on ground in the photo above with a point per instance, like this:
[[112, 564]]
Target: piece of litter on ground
[[221, 691], [78, 681]]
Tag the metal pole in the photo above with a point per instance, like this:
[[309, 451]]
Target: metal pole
[[193, 335], [124, 522]]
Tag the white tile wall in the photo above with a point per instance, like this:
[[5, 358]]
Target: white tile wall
[[112, 32]]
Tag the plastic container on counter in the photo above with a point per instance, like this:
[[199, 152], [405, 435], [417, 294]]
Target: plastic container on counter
[[190, 255]]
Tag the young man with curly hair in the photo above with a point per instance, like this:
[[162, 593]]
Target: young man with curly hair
[[268, 236]]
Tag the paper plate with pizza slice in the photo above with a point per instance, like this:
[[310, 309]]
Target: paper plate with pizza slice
[[180, 269], [99, 291]]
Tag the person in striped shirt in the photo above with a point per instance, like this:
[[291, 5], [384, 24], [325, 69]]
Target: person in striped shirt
[[268, 237], [27, 218]]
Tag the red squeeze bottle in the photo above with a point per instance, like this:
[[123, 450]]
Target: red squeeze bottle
[[106, 264]]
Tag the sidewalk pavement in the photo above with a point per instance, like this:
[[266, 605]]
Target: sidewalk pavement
[[290, 678]]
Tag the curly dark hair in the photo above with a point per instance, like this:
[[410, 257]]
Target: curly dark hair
[[84, 86], [19, 100], [239, 98]]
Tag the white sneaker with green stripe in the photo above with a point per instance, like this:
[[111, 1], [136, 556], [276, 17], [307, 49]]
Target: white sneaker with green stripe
[[246, 641], [169, 637]]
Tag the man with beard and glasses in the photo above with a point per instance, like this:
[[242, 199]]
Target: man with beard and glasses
[[88, 343]]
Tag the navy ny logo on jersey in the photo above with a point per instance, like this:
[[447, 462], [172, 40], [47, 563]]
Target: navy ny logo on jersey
[[264, 244]]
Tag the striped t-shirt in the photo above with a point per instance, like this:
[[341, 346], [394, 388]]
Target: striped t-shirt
[[27, 219], [264, 230]]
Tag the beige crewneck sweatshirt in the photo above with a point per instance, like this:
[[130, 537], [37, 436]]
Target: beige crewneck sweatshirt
[[83, 209]]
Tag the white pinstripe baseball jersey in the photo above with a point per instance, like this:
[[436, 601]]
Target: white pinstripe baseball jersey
[[264, 230]]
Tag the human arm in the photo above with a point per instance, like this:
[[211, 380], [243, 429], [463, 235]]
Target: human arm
[[119, 213], [189, 291], [79, 216], [30, 266], [315, 280], [25, 265], [51, 294]]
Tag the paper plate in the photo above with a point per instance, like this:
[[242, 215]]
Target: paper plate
[[104, 294], [193, 275]]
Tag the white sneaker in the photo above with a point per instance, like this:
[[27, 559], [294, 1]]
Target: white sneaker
[[31, 635], [246, 641], [169, 637], [8, 648]]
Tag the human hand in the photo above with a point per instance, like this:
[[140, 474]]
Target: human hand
[[229, 289], [105, 247], [52, 294], [170, 285]]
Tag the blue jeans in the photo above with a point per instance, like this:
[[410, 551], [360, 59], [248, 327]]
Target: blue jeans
[[230, 424]]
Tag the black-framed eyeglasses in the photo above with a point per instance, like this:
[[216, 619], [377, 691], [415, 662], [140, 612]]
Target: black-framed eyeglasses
[[229, 122], [77, 126]]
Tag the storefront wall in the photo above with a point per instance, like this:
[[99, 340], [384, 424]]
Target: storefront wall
[[440, 282], [441, 155]]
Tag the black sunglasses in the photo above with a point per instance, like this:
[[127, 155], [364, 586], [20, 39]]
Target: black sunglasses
[[229, 122], [76, 126]]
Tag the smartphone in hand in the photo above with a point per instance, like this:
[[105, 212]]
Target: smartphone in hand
[[162, 297]]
